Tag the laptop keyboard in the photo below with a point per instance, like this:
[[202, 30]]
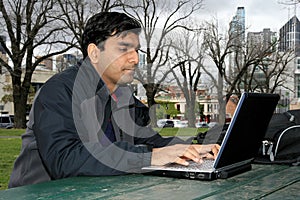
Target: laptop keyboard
[[206, 165]]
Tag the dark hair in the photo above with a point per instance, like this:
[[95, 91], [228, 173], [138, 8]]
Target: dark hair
[[106, 24]]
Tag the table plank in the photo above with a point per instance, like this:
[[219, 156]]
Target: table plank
[[83, 187], [264, 181], [264, 185], [290, 192], [218, 189]]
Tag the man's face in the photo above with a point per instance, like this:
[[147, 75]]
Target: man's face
[[118, 60]]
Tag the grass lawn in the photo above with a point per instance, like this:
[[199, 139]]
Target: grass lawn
[[11, 132], [10, 145], [179, 131], [9, 150]]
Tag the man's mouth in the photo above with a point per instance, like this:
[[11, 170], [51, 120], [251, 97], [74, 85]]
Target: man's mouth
[[130, 70]]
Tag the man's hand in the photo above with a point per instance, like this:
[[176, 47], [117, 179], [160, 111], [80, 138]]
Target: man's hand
[[180, 153]]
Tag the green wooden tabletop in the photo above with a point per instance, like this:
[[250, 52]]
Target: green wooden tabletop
[[262, 182]]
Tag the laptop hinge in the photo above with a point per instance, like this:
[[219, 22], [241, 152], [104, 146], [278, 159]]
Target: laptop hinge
[[234, 171], [235, 165]]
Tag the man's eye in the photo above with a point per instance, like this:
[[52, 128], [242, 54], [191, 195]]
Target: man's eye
[[123, 49]]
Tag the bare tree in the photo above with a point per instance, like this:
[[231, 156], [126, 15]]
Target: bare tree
[[271, 73], [159, 19], [33, 32], [218, 47], [189, 60], [75, 14], [245, 59], [246, 55]]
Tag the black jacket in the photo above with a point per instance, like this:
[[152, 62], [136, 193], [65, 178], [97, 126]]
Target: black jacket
[[66, 125]]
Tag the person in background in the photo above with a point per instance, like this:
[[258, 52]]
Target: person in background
[[85, 120]]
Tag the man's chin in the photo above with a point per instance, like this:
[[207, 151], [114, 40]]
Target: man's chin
[[125, 80]]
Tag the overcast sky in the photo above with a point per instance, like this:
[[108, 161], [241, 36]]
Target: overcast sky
[[259, 13]]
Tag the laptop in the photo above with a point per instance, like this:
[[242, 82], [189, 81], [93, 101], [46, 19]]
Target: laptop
[[239, 146]]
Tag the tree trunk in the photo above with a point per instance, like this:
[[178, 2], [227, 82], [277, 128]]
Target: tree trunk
[[191, 112], [20, 101], [150, 93], [222, 102]]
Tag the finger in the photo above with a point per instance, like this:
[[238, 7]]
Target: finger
[[189, 152], [208, 156], [190, 155], [198, 148], [202, 149], [194, 152], [215, 150], [181, 161]]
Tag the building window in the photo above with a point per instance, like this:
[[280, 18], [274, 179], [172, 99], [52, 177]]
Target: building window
[[297, 63], [209, 108], [298, 86]]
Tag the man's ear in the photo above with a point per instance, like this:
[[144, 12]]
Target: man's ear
[[93, 53]]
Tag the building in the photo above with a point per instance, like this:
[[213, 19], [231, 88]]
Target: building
[[289, 36], [289, 39], [39, 77], [237, 25], [43, 72], [65, 60], [237, 35], [262, 40], [46, 64], [210, 107]]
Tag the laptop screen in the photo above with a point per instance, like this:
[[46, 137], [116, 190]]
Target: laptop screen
[[247, 128]]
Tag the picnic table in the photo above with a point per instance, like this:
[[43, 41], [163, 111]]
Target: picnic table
[[262, 182]]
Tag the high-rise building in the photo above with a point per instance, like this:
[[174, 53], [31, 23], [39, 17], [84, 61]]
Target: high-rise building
[[262, 40], [289, 36], [289, 39], [237, 35], [258, 42], [237, 25]]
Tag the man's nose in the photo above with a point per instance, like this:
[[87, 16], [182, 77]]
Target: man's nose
[[133, 57]]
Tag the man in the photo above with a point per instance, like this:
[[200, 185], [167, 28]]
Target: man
[[85, 120]]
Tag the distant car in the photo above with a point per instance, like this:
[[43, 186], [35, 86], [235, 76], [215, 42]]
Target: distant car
[[212, 124], [181, 124], [201, 125], [6, 121], [169, 124], [161, 122], [177, 123]]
